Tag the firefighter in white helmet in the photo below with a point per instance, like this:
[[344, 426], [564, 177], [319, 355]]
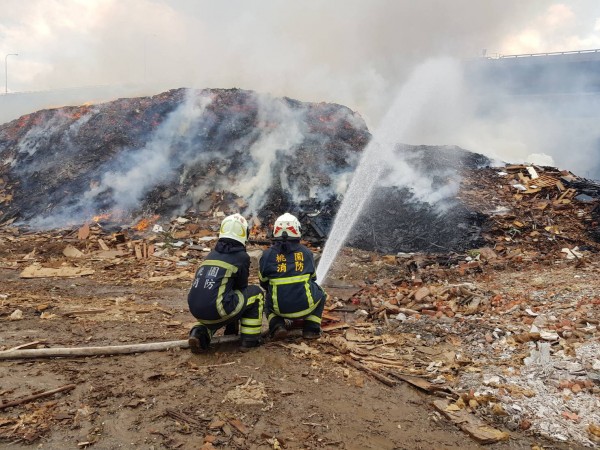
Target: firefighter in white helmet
[[220, 295], [287, 272]]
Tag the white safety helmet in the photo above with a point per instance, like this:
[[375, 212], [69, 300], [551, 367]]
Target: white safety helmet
[[234, 227], [287, 226]]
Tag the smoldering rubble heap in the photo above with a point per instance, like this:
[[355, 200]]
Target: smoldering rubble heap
[[216, 151], [398, 221], [170, 151]]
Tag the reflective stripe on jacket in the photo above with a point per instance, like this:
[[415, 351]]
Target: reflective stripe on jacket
[[214, 296], [287, 271]]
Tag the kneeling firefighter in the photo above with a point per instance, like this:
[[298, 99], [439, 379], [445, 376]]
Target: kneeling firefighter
[[287, 272], [220, 295]]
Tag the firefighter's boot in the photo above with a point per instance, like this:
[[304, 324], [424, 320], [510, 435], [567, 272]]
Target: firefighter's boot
[[279, 332], [232, 328], [199, 339], [311, 332], [249, 342]]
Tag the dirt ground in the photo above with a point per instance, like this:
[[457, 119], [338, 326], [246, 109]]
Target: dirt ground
[[282, 395]]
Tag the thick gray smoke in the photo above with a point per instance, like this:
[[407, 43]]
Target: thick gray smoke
[[357, 53]]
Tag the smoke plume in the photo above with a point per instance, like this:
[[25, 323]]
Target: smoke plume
[[169, 152], [352, 52]]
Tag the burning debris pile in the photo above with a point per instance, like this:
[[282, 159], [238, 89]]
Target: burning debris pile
[[212, 151], [207, 153], [168, 153]]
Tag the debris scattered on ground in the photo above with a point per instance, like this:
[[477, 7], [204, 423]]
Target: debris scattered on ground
[[470, 424], [506, 332], [250, 393], [33, 397]]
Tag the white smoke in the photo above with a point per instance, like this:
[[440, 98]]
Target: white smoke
[[352, 52], [430, 103], [138, 171], [282, 130], [425, 102]]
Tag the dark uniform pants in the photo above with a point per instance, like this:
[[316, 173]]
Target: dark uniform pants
[[312, 321], [250, 316]]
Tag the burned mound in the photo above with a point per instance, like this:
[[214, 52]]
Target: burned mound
[[165, 154], [417, 217], [206, 153]]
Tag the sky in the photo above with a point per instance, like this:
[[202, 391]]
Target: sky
[[354, 52], [348, 51]]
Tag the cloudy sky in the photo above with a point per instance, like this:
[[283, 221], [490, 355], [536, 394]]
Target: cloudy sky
[[349, 51], [359, 53]]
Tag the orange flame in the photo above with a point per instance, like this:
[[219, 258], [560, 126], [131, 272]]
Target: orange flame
[[142, 225], [145, 223], [100, 217]]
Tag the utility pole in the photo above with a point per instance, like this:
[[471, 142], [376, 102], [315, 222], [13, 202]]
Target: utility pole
[[6, 71]]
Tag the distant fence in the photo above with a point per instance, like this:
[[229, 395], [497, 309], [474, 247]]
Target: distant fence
[[528, 55]]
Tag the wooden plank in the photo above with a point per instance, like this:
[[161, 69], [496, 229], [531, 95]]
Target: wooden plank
[[545, 181], [376, 375], [238, 425], [103, 245], [470, 424], [180, 276], [84, 232], [32, 344], [34, 271], [84, 312], [420, 383], [569, 193], [397, 363], [31, 398], [330, 317], [417, 382], [335, 326]]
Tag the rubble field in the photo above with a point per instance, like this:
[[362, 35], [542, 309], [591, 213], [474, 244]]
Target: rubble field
[[290, 394], [497, 345]]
